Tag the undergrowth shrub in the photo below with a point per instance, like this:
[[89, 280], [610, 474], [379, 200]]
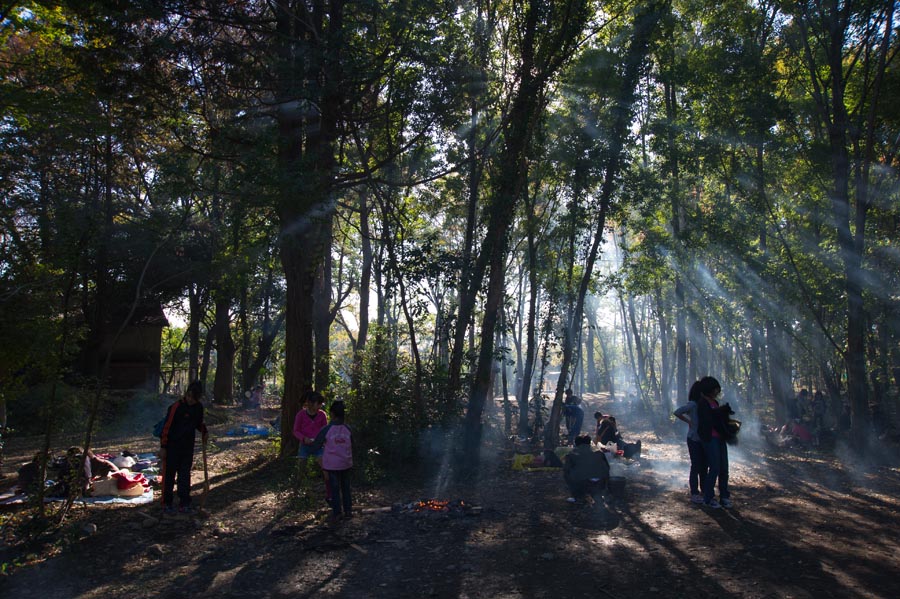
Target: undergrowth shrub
[[387, 432]]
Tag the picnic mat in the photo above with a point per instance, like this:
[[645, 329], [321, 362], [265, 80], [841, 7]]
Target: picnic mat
[[16, 499]]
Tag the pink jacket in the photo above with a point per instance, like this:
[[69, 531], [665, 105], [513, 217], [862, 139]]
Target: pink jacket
[[338, 443], [306, 426]]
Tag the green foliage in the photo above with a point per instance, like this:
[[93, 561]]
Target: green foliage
[[29, 411], [382, 411]]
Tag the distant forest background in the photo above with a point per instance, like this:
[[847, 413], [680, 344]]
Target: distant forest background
[[421, 206]]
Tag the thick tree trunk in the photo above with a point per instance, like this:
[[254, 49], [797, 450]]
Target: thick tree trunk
[[779, 365], [505, 196], [299, 272], [322, 304], [306, 163]]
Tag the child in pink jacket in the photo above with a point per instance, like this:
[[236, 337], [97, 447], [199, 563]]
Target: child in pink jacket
[[336, 440], [309, 421]]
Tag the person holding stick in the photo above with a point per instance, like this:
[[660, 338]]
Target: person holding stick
[[176, 447]]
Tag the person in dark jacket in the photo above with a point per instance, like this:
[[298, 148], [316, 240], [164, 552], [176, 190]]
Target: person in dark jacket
[[574, 415], [711, 428], [585, 470], [176, 447]]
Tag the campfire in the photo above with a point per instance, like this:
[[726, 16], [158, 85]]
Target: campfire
[[435, 505], [456, 507]]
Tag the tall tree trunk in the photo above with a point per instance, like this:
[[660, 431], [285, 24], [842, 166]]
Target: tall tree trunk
[[524, 395], [365, 282], [666, 368], [223, 385], [196, 307], [779, 364], [467, 291], [506, 193], [681, 339], [832, 26], [308, 48], [322, 313], [208, 343], [645, 22], [590, 364], [246, 351], [299, 274]]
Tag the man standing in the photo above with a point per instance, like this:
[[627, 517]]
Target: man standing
[[176, 447]]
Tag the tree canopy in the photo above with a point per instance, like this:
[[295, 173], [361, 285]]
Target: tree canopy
[[419, 207]]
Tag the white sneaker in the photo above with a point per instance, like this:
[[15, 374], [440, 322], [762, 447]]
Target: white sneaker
[[697, 498], [571, 499]]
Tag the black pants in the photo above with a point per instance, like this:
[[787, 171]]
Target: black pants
[[340, 491], [178, 465]]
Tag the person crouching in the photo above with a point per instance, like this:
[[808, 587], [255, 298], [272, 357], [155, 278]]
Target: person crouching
[[585, 471]]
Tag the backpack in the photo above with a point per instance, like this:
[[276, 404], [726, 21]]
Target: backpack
[[158, 427], [732, 427]]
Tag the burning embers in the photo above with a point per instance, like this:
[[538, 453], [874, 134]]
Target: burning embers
[[435, 505], [443, 506]]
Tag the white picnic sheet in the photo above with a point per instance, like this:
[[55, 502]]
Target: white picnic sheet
[[147, 497]]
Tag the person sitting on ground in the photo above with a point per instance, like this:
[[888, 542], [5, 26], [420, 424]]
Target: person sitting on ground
[[796, 432], [29, 474], [608, 432], [585, 471], [794, 409], [74, 474], [97, 466]]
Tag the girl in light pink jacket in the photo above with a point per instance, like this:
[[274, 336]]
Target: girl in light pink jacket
[[336, 441]]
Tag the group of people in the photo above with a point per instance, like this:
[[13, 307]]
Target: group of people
[[330, 443], [586, 471], [707, 441], [805, 417]]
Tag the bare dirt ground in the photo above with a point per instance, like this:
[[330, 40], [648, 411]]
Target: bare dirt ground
[[804, 524]]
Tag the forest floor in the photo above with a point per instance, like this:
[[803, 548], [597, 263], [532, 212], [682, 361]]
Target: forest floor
[[805, 523]]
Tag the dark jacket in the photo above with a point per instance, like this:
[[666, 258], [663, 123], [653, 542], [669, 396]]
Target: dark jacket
[[709, 418], [583, 464], [182, 422]]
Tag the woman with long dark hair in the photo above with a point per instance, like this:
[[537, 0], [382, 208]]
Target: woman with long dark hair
[[688, 413], [711, 427]]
